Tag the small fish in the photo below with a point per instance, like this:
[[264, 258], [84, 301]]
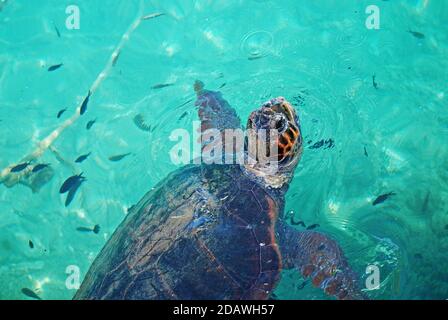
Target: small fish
[[162, 85], [255, 57], [90, 124], [71, 182], [313, 226], [20, 167], [82, 158], [30, 293], [329, 143], [365, 152], [95, 229], [55, 67], [152, 16], [317, 145], [382, 198], [222, 86], [83, 108], [418, 256], [57, 31], [416, 34], [183, 115], [71, 194], [375, 85], [119, 157], [31, 244], [61, 112], [39, 167]]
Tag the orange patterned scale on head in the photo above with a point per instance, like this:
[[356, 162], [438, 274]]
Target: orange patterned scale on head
[[287, 141]]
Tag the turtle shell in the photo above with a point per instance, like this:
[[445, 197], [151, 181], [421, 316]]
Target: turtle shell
[[206, 232]]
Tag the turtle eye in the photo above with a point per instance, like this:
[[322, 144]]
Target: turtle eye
[[280, 125]]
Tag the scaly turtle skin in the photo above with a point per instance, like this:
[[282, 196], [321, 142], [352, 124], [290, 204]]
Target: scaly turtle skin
[[216, 231]]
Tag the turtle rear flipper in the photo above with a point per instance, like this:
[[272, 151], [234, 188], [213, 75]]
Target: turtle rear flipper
[[320, 258]]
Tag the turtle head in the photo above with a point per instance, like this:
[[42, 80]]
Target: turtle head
[[274, 143]]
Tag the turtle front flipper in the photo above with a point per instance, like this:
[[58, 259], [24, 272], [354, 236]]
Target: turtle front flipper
[[214, 111], [320, 258]]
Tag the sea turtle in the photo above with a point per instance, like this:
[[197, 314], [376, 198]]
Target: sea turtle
[[216, 231]]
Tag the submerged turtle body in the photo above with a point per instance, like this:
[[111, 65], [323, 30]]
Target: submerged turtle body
[[207, 232], [215, 231]]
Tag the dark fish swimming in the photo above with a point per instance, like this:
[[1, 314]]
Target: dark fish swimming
[[20, 167], [374, 83], [183, 115], [119, 157], [31, 244], [71, 182], [313, 226], [72, 192], [255, 57], [95, 229], [82, 158], [39, 167], [416, 34], [152, 16], [162, 85], [365, 152], [90, 124], [30, 293], [57, 31], [382, 198], [55, 67], [83, 108], [327, 144], [61, 112]]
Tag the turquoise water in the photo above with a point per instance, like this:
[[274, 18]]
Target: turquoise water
[[317, 54]]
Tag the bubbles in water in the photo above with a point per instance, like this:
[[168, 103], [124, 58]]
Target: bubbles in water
[[257, 44]]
